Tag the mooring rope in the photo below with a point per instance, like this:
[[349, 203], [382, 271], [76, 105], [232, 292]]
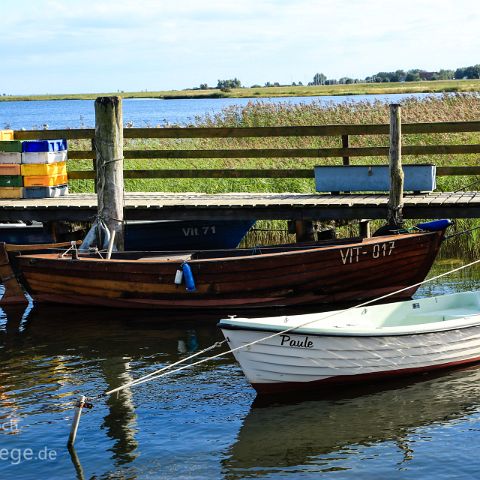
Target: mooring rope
[[463, 232], [134, 382], [167, 370]]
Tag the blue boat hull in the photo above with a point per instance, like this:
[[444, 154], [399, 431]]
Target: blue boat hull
[[184, 235], [156, 235], [21, 234]]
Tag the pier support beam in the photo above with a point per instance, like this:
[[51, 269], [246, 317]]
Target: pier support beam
[[364, 228], [303, 230], [109, 163], [395, 202]]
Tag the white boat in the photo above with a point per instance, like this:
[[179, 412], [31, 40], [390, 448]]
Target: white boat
[[306, 352]]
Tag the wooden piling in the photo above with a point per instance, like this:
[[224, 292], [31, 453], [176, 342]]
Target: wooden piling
[[304, 231], [395, 202], [109, 153], [364, 228]]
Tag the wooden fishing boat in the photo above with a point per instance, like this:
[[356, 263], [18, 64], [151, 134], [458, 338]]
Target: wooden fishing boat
[[297, 274], [305, 352]]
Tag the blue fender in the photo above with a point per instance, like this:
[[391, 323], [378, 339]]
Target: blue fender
[[188, 277], [435, 225]]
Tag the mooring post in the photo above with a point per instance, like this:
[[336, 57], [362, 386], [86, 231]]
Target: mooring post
[[76, 420], [109, 151], [395, 202]]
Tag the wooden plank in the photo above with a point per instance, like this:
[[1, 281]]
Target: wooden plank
[[224, 173], [255, 132], [70, 134], [259, 153], [441, 127], [242, 153], [448, 171], [296, 153], [242, 132], [440, 149]]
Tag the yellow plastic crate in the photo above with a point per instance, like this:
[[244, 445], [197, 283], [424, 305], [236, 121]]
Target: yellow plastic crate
[[6, 134], [11, 192], [44, 180], [42, 169]]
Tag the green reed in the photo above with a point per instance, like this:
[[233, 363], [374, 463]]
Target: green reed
[[448, 107]]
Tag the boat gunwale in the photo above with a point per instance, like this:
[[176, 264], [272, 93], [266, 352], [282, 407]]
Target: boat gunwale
[[283, 323], [293, 251], [457, 324]]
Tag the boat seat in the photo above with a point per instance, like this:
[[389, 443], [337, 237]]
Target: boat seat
[[168, 257], [454, 316], [449, 314]]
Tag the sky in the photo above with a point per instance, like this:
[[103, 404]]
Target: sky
[[85, 46]]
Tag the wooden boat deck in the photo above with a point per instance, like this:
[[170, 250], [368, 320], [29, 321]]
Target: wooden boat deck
[[187, 206]]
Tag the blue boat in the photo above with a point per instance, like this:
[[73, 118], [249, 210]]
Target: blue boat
[[185, 234], [23, 234], [146, 235]]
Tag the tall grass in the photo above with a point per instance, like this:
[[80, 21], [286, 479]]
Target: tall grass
[[449, 107]]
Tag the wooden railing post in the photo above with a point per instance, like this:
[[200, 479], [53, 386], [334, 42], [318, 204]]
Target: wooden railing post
[[109, 150], [395, 202], [345, 144]]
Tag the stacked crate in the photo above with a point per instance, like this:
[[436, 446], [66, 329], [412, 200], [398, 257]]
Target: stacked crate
[[32, 168], [10, 169], [44, 168]]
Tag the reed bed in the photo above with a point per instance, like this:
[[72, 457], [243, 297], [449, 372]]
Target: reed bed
[[448, 107]]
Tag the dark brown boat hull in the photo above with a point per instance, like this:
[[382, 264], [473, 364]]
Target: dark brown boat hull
[[324, 275]]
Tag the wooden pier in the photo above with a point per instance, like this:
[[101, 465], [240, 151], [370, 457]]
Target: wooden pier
[[296, 206], [103, 158]]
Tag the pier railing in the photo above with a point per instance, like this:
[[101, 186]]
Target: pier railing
[[344, 152]]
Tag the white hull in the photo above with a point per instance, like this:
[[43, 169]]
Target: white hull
[[350, 352]]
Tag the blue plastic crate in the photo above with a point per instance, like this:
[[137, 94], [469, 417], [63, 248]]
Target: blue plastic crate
[[44, 145], [45, 192]]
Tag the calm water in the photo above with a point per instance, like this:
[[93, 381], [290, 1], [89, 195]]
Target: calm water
[[206, 423], [144, 112]]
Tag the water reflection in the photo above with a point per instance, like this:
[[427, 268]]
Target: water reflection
[[51, 354], [120, 421], [200, 424], [275, 436]]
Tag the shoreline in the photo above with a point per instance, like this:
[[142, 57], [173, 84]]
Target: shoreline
[[435, 86]]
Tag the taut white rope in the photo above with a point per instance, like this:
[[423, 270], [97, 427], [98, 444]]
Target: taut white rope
[[167, 370], [163, 372]]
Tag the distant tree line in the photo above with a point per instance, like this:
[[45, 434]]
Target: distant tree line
[[413, 75]]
